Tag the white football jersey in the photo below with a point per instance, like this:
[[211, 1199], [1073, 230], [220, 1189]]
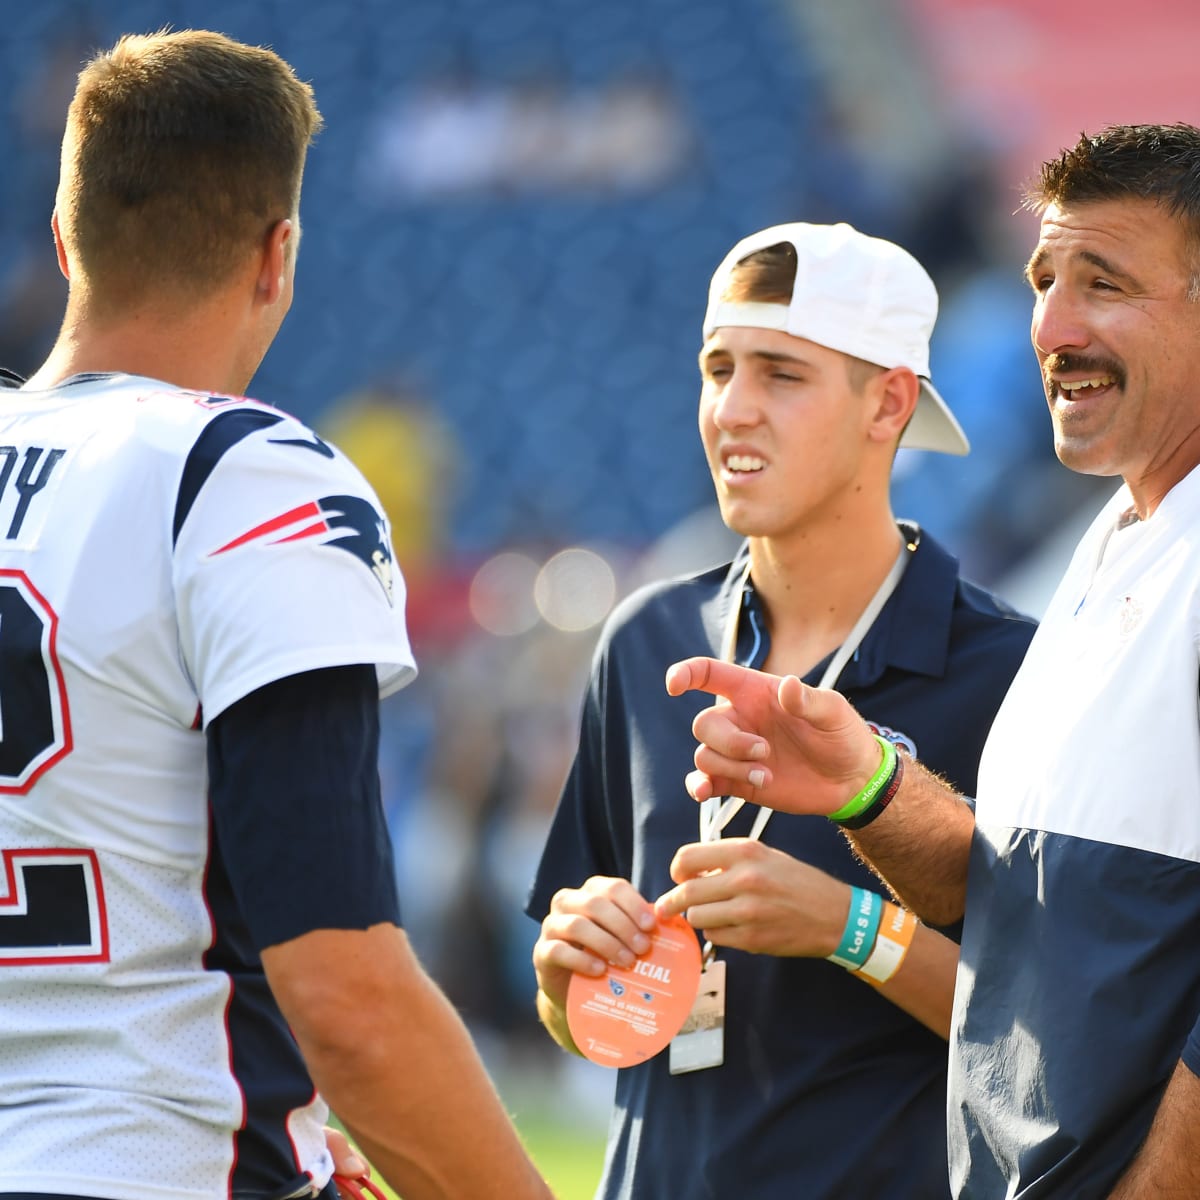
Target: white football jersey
[[163, 553]]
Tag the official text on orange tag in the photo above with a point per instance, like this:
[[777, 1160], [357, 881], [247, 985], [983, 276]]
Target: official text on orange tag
[[629, 1014]]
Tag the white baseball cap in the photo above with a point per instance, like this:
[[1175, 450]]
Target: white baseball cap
[[861, 295]]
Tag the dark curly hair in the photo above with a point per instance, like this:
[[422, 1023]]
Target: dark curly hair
[[1160, 163]]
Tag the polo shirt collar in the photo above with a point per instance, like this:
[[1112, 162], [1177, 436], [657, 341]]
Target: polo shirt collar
[[911, 634]]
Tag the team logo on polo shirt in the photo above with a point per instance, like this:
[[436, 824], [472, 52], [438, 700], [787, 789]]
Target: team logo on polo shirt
[[1130, 616], [348, 522], [900, 740]]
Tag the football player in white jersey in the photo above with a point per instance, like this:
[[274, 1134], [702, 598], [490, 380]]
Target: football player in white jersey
[[199, 933]]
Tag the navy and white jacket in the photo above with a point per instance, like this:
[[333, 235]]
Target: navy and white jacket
[[1079, 985]]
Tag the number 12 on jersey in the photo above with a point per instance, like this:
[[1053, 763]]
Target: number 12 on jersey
[[35, 721], [52, 910]]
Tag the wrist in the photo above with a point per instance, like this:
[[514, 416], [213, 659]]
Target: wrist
[[558, 1003], [897, 928], [883, 777], [859, 933], [876, 938], [553, 1017]]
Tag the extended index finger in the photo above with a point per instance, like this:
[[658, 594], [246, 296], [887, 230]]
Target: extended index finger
[[712, 675]]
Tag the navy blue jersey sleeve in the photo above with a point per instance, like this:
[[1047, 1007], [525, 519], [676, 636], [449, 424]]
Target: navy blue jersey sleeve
[[296, 808], [1191, 1050]]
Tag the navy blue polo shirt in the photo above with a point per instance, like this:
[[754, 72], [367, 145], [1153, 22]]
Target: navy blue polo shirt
[[827, 1089]]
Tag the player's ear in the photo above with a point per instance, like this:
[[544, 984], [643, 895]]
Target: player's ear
[[273, 261], [897, 392], [63, 265]]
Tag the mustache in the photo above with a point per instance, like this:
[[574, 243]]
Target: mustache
[[1081, 364]]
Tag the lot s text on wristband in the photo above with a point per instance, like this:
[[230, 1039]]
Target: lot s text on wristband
[[876, 938]]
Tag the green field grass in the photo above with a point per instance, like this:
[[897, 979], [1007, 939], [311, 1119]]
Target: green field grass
[[569, 1156]]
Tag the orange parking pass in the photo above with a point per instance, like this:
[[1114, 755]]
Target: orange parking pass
[[629, 1014]]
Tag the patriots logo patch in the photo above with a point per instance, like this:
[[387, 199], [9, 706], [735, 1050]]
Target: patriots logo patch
[[349, 523]]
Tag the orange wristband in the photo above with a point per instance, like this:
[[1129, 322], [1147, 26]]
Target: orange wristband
[[896, 929]]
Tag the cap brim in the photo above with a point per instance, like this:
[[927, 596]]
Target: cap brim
[[933, 426]]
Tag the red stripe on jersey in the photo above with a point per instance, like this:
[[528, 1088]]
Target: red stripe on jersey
[[311, 531], [303, 513]]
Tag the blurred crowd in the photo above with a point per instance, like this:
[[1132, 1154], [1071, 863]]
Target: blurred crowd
[[456, 135], [510, 221]]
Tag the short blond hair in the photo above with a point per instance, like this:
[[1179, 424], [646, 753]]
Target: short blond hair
[[181, 150]]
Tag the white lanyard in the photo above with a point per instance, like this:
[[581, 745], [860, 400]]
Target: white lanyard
[[717, 811]]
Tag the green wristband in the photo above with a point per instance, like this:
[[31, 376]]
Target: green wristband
[[864, 799]]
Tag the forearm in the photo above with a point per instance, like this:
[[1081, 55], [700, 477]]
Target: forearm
[[397, 1066], [1167, 1167], [447, 1137], [923, 986], [920, 846], [747, 896]]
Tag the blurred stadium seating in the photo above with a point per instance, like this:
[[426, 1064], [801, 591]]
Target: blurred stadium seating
[[512, 214], [553, 327], [548, 312]]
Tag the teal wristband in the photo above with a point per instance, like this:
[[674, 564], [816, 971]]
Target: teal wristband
[[864, 799], [862, 926]]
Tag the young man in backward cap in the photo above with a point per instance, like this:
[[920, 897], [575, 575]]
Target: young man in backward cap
[[814, 368]]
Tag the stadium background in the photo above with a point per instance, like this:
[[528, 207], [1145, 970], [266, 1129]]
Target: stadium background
[[509, 224]]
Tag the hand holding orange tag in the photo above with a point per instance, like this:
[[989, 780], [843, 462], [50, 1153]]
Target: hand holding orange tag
[[629, 1014]]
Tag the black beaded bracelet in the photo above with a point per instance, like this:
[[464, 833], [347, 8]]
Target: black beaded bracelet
[[886, 795]]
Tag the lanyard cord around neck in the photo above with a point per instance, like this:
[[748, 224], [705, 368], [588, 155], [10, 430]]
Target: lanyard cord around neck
[[718, 811]]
